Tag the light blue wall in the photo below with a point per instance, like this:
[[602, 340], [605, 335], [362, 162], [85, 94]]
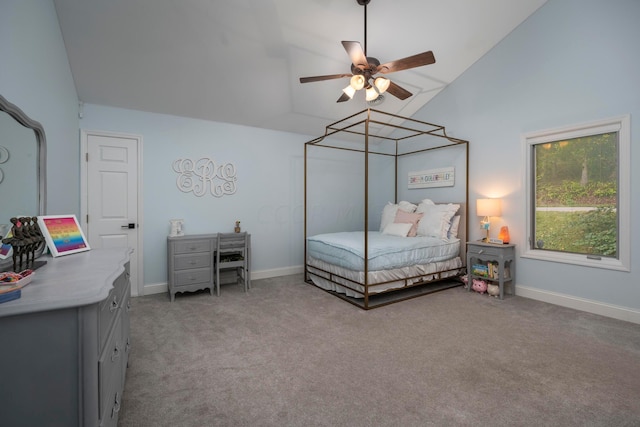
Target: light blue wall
[[573, 61], [35, 75], [269, 196]]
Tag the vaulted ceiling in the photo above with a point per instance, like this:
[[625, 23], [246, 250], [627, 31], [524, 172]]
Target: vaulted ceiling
[[239, 61]]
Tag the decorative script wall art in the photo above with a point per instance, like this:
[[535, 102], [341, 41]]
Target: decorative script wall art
[[204, 176]]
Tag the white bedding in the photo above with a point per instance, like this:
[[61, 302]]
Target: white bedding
[[336, 261], [346, 250]]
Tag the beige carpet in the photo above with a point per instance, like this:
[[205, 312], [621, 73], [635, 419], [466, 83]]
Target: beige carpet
[[289, 354]]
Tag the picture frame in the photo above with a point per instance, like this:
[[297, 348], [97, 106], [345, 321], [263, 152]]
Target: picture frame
[[6, 250], [63, 234], [441, 177]]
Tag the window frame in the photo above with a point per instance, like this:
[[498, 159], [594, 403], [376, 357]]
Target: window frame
[[622, 125]]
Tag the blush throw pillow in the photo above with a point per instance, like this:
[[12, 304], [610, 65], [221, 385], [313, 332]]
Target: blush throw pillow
[[409, 218], [390, 210]]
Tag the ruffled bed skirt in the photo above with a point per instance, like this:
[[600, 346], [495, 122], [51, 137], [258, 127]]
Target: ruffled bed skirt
[[351, 283]]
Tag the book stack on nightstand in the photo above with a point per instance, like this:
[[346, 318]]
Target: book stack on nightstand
[[491, 262]]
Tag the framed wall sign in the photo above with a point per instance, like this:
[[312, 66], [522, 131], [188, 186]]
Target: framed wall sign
[[442, 177], [5, 249], [63, 234]]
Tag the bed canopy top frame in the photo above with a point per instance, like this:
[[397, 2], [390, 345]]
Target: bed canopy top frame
[[397, 130]]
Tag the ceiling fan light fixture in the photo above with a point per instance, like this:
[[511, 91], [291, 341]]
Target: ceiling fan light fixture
[[357, 81], [382, 84], [349, 91], [371, 93]]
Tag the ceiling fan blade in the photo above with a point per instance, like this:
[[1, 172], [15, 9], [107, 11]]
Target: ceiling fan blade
[[344, 97], [418, 60], [321, 78], [355, 52], [398, 91]]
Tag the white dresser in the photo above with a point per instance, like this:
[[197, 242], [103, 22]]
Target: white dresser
[[65, 343]]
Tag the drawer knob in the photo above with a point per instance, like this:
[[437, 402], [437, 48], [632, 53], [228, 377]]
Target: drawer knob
[[116, 406], [114, 304], [116, 353]]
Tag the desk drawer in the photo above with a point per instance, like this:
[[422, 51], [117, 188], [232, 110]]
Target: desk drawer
[[198, 260], [192, 246], [191, 277], [485, 250]]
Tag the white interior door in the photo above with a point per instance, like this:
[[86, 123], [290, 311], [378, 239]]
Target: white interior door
[[111, 195]]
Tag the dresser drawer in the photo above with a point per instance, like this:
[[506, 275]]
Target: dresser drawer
[[110, 416], [110, 370], [197, 260], [192, 246], [191, 277], [107, 313]]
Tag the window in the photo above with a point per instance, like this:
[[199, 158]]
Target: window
[[578, 194]]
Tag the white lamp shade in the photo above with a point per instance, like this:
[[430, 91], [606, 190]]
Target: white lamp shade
[[357, 82], [350, 91], [371, 94], [382, 84], [489, 207]]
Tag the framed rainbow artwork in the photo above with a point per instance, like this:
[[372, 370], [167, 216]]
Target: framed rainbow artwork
[[63, 234]]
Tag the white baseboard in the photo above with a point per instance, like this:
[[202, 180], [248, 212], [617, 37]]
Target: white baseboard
[[277, 272], [590, 306], [156, 288], [159, 288]]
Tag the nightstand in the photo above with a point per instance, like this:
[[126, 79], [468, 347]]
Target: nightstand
[[496, 263]]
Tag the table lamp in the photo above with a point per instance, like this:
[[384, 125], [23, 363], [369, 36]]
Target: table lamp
[[487, 208]]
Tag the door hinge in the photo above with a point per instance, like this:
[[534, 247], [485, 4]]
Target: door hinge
[[86, 156], [87, 218]]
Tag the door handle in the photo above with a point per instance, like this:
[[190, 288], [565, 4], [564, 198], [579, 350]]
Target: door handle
[[130, 225]]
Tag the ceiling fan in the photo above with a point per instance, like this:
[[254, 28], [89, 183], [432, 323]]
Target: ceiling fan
[[365, 68]]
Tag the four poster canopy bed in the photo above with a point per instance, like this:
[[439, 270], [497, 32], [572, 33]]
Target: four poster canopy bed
[[385, 209]]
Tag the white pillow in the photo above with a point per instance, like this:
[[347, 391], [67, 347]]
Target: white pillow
[[436, 220], [407, 206], [453, 230], [388, 215], [390, 210], [397, 229]]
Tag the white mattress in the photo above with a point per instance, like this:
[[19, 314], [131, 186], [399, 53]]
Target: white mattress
[[346, 250]]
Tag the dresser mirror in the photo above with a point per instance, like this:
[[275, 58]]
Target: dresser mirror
[[22, 169]]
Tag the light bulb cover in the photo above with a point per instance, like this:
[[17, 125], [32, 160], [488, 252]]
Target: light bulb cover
[[357, 81], [382, 84], [371, 94], [350, 91]]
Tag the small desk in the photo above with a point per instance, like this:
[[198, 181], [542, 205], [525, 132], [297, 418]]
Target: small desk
[[190, 262], [501, 254]]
